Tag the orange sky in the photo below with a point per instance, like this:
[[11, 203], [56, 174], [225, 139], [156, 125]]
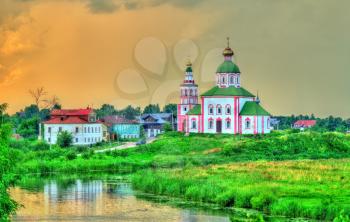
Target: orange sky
[[89, 52]]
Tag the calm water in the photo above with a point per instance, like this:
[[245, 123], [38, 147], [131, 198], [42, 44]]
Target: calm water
[[107, 199]]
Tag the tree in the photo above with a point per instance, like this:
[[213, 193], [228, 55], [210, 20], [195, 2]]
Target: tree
[[7, 160], [38, 95], [167, 127], [151, 108], [52, 102], [130, 112], [170, 108], [29, 128], [64, 139], [3, 108], [106, 110]]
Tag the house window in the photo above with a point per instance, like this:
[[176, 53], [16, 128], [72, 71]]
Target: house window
[[218, 109], [247, 124], [268, 123], [211, 123], [49, 130], [194, 124], [228, 123], [211, 109], [228, 109], [76, 140], [77, 129], [49, 139], [59, 129], [185, 109]]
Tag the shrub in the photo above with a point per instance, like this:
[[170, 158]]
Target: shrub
[[39, 145], [71, 155], [64, 139]]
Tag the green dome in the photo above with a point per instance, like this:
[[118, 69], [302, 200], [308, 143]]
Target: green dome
[[189, 69], [228, 67]]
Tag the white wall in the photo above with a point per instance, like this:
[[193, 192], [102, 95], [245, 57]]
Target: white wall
[[223, 101], [258, 124], [83, 137], [192, 118]]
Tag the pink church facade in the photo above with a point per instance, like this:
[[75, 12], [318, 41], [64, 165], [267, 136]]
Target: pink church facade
[[226, 108]]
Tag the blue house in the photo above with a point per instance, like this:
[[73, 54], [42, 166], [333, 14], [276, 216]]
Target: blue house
[[122, 128]]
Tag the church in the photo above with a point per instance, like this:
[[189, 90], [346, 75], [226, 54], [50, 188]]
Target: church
[[226, 108]]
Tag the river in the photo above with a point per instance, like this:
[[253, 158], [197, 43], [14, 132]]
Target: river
[[110, 198]]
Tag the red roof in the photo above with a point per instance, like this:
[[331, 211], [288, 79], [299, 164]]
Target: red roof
[[305, 123], [71, 112]]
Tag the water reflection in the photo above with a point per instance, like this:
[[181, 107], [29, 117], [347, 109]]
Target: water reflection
[[95, 200]]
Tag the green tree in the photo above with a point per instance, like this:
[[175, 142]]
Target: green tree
[[29, 128], [130, 112], [64, 139], [170, 108], [7, 205], [3, 108], [167, 127], [151, 108], [106, 110]]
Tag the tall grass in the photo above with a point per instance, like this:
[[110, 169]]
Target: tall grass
[[317, 189]]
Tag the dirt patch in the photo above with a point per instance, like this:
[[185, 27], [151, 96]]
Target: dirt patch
[[214, 150]]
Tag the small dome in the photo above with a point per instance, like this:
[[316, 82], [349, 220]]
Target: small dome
[[189, 66], [228, 52], [228, 67]]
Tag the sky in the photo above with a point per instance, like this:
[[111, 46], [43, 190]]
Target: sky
[[89, 52]]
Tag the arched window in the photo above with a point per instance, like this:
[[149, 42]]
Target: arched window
[[223, 80], [211, 124], [218, 110], [247, 123], [228, 109], [194, 124], [232, 79], [211, 109], [191, 92], [228, 123]]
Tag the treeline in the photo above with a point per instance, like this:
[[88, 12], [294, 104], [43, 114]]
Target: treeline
[[329, 123], [26, 121]]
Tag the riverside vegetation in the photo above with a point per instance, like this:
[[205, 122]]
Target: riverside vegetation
[[286, 173]]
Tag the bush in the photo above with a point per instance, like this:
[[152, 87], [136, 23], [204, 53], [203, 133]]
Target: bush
[[71, 155], [39, 145], [64, 139]]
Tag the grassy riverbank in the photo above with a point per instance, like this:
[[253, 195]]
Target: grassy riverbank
[[284, 173], [317, 189]]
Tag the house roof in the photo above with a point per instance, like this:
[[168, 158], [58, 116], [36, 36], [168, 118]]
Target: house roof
[[252, 108], [228, 91], [158, 117], [69, 120], [71, 112], [305, 123], [118, 120], [196, 110]]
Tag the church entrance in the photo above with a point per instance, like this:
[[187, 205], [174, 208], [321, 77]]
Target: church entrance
[[218, 126]]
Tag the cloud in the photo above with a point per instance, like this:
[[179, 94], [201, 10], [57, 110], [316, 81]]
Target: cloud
[[110, 6]]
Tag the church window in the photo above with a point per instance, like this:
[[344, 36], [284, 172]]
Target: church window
[[228, 123], [211, 109], [268, 123], [247, 123], [194, 124], [223, 80], [185, 92], [191, 92], [232, 80], [228, 109], [211, 124], [218, 110]]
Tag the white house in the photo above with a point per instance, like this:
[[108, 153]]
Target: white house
[[225, 108], [81, 123]]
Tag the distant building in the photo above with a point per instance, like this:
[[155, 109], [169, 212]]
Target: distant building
[[81, 123], [122, 127], [153, 124], [304, 124]]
